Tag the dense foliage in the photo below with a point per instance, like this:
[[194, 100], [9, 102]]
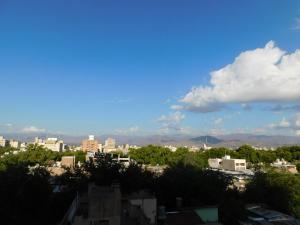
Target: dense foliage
[[279, 190], [27, 195], [33, 155], [156, 155]]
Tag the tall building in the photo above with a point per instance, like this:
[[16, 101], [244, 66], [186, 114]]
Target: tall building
[[110, 145], [14, 144], [90, 145], [54, 144], [3, 142]]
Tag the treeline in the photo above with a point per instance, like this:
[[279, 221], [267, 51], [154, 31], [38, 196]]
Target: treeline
[[157, 155], [33, 155]]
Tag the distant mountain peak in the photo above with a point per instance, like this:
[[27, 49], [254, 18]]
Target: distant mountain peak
[[207, 139]]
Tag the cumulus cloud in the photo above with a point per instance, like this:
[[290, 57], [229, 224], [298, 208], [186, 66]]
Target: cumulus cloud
[[266, 74], [33, 129], [171, 122], [292, 124]]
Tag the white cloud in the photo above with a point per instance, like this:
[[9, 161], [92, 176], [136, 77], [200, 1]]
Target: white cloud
[[176, 107], [296, 25], [266, 74], [134, 129], [7, 127], [218, 121], [292, 124], [175, 117], [32, 129], [130, 130], [171, 122]]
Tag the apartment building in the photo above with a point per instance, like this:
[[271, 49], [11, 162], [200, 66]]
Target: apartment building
[[110, 145], [227, 163], [14, 144], [3, 142], [54, 144], [90, 145]]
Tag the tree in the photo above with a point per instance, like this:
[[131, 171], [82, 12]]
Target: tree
[[281, 191]]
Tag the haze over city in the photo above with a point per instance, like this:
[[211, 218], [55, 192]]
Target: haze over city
[[140, 67]]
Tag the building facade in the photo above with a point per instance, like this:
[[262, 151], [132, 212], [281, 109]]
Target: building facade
[[226, 163], [3, 142], [110, 145], [90, 145], [52, 144], [14, 144], [68, 161]]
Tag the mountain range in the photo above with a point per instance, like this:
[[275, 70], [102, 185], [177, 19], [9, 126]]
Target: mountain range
[[229, 140]]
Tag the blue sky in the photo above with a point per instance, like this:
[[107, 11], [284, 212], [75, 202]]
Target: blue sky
[[80, 67]]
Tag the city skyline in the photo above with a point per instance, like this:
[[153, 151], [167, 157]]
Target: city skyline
[[144, 68]]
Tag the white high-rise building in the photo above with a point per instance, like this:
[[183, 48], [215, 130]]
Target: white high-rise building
[[3, 142], [54, 144], [110, 145], [91, 137], [15, 144], [50, 143], [39, 141]]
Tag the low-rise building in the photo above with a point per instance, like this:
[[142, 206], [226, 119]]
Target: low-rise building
[[190, 216], [227, 163], [234, 164], [172, 148], [23, 146], [281, 164], [260, 215], [100, 205], [143, 203], [105, 205], [68, 161], [215, 163]]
